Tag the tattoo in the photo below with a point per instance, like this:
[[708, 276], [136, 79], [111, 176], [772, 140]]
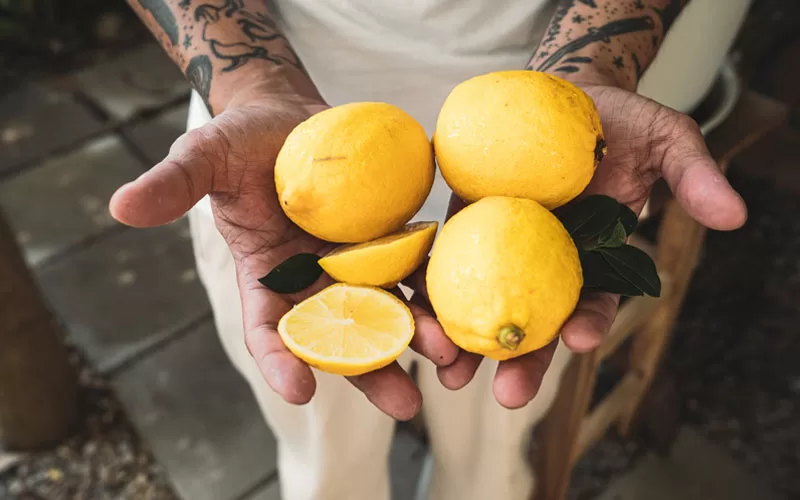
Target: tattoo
[[554, 29], [236, 35], [618, 38], [198, 72], [163, 16], [637, 65], [187, 41], [603, 33], [670, 12]]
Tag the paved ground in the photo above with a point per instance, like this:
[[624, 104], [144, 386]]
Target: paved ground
[[133, 305]]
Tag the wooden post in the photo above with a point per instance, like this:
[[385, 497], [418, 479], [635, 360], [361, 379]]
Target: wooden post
[[38, 387]]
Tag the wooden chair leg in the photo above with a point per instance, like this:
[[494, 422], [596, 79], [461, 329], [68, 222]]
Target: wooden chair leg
[[557, 439], [679, 242]]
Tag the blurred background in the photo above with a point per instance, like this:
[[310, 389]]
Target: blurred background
[[117, 317]]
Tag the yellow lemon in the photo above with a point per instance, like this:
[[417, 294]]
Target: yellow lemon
[[348, 330], [355, 172], [382, 262], [503, 277], [518, 133]]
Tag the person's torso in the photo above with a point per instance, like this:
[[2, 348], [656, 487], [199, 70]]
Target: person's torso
[[409, 53]]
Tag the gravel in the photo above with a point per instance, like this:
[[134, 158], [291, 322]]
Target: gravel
[[104, 460]]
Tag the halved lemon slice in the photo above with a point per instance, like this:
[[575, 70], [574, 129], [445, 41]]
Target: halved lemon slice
[[348, 330], [382, 262]]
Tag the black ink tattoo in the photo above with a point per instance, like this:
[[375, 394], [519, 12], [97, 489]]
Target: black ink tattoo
[[163, 16], [198, 72], [601, 34], [187, 41], [669, 13], [234, 35], [618, 61], [185, 4], [639, 4], [578, 59], [578, 19], [554, 29], [567, 69], [637, 65]]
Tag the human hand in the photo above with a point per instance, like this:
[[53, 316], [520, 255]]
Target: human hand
[[232, 160], [646, 141]]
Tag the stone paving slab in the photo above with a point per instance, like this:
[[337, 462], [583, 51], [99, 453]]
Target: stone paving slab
[[144, 78], [696, 470], [36, 120], [200, 418], [126, 292], [65, 200], [155, 136]]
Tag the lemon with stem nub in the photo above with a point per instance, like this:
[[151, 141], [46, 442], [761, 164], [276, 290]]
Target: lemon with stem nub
[[503, 277]]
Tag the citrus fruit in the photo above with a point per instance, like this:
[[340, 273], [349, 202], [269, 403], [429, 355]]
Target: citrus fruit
[[382, 262], [503, 277], [355, 172], [518, 133], [348, 330]]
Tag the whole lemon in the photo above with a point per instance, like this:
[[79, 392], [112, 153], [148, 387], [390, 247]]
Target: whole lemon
[[518, 133], [503, 277], [354, 172]]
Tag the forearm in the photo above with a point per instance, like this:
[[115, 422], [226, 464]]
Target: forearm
[[610, 41], [226, 48]]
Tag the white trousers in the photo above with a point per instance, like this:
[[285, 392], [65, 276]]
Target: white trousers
[[336, 446]]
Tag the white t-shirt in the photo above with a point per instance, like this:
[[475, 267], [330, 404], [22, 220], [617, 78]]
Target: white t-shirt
[[410, 53]]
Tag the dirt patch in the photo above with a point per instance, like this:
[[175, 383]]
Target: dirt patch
[[104, 460]]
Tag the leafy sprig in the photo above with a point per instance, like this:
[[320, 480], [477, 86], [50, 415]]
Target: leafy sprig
[[600, 225]]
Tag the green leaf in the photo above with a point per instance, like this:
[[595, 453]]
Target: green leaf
[[612, 237], [628, 218], [589, 217], [598, 274], [293, 275], [634, 266]]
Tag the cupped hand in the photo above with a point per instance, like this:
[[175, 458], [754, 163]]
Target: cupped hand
[[646, 141], [232, 160]]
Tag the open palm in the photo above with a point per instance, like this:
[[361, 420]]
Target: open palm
[[232, 160], [646, 141]]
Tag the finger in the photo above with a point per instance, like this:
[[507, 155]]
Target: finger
[[262, 309], [172, 187], [416, 281], [455, 205], [286, 374], [518, 380], [695, 178], [591, 321], [429, 337], [460, 372], [391, 390]]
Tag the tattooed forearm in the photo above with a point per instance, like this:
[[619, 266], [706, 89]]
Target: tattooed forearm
[[163, 16], [608, 37], [211, 39]]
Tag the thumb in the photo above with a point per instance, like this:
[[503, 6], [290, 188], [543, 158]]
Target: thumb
[[172, 187], [696, 179]]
